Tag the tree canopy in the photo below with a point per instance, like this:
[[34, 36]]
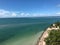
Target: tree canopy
[[53, 38]]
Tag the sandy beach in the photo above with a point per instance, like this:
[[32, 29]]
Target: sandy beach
[[45, 35]]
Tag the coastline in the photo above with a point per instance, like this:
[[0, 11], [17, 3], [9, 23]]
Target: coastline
[[40, 37], [38, 42], [45, 35]]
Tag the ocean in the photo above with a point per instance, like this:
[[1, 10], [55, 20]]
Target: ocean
[[23, 31]]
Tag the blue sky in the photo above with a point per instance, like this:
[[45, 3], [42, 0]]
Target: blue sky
[[29, 8]]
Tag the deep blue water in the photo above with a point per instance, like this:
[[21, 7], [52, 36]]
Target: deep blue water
[[23, 31]]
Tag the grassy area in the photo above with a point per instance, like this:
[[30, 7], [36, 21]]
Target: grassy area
[[53, 38]]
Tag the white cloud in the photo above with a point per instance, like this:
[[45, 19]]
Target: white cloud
[[14, 14], [27, 14], [22, 14], [2, 12], [5, 13], [40, 14]]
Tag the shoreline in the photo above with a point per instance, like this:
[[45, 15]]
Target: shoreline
[[44, 35], [40, 37]]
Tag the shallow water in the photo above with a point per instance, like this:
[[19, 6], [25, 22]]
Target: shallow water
[[23, 31]]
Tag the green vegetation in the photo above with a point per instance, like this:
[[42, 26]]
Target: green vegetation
[[53, 38], [57, 24], [54, 35]]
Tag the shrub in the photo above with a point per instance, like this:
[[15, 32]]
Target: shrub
[[53, 38]]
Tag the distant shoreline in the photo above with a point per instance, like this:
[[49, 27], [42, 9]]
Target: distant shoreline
[[34, 17]]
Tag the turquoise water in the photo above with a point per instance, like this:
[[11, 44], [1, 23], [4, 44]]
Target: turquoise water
[[23, 31]]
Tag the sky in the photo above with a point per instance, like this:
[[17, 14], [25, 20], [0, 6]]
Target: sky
[[29, 8]]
